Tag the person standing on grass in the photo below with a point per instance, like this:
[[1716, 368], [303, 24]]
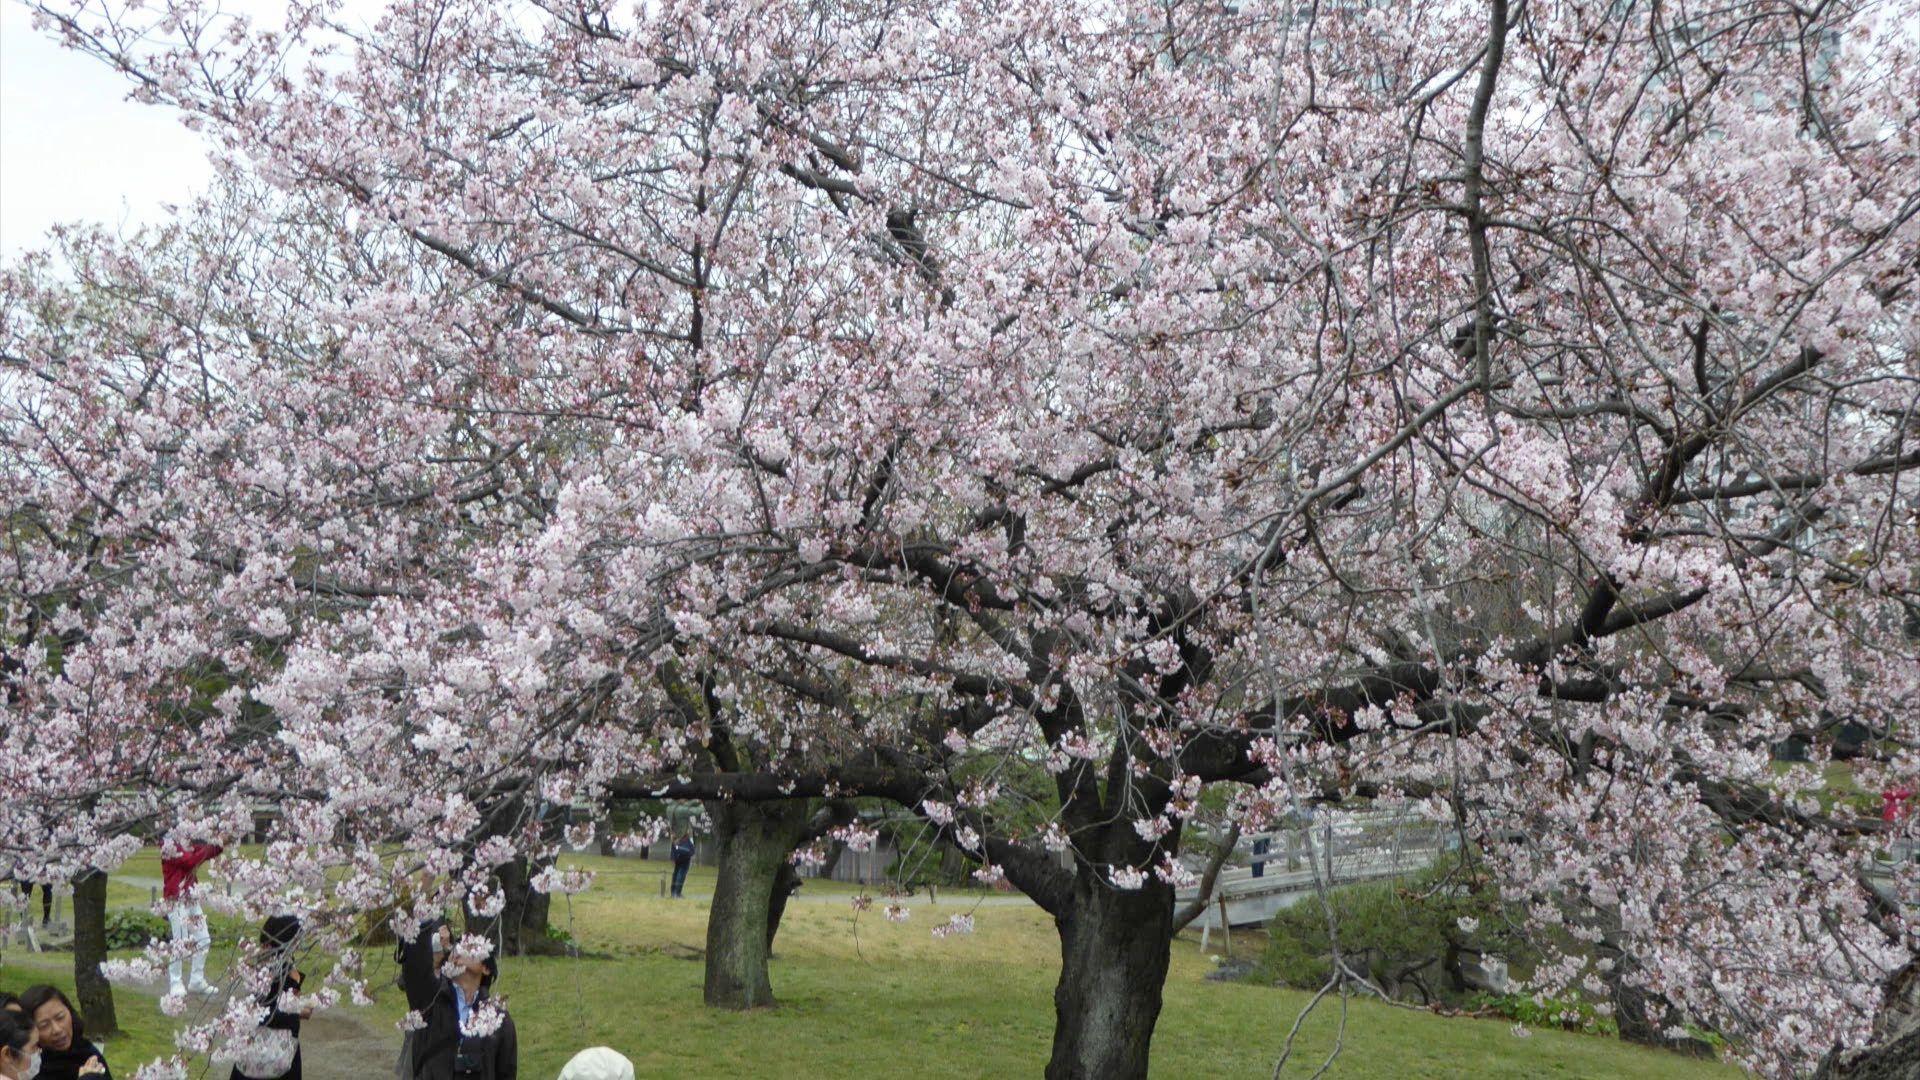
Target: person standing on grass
[[65, 1053], [180, 887], [46, 901], [459, 1038], [682, 861]]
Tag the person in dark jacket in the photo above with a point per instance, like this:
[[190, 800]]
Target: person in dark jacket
[[442, 1050], [65, 1053], [277, 939], [682, 853], [46, 901]]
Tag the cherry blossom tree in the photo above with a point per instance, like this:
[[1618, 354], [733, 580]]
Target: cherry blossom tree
[[1503, 408]]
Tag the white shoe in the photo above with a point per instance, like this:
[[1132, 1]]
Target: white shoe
[[204, 988], [176, 990]]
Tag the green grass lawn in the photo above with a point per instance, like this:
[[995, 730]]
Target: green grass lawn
[[874, 998]]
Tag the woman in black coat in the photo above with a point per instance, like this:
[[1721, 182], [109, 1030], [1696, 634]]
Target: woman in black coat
[[277, 938], [65, 1053], [439, 1050]]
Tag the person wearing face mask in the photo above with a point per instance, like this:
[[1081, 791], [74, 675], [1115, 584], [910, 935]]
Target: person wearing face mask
[[65, 1053], [451, 1005], [19, 1051]]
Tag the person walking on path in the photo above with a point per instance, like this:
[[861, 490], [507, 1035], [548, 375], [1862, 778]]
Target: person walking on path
[[180, 884], [682, 861]]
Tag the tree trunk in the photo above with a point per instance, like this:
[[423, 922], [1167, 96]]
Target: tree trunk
[[537, 917], [784, 885], [93, 992], [1894, 1053], [953, 867], [755, 842], [1895, 1059], [1640, 1013], [1114, 951], [835, 849], [521, 927]]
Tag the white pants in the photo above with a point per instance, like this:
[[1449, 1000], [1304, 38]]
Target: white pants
[[189, 923]]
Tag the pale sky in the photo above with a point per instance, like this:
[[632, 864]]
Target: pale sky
[[73, 148]]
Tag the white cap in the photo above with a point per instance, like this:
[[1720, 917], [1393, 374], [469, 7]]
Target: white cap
[[599, 1063]]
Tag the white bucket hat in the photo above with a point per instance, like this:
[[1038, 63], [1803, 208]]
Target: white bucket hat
[[599, 1063]]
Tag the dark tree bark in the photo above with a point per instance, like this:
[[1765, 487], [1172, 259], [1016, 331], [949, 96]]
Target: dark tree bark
[[1640, 1013], [755, 840], [538, 917], [834, 812], [521, 927], [834, 851], [1894, 1053], [954, 867], [93, 992], [1114, 951], [1896, 1059], [785, 884], [1185, 917]]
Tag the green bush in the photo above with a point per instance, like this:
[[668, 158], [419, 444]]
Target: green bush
[[132, 928], [1574, 1015], [1409, 936]]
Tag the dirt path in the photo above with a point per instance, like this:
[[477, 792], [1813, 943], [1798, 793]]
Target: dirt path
[[343, 1045]]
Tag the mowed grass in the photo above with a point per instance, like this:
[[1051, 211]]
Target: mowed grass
[[866, 997]]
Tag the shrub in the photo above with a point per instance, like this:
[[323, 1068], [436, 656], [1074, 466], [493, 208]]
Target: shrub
[[1574, 1015], [1410, 936], [132, 928]]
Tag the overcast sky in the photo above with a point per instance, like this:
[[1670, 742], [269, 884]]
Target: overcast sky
[[73, 148]]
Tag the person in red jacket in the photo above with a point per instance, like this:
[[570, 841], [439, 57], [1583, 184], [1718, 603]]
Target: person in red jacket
[[180, 885]]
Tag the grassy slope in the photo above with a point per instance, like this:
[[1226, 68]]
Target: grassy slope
[[885, 999]]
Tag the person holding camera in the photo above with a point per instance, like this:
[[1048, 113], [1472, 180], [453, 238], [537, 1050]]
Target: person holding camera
[[467, 1034]]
